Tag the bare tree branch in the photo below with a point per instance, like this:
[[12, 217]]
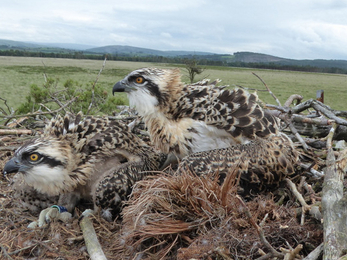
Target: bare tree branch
[[94, 84], [268, 89]]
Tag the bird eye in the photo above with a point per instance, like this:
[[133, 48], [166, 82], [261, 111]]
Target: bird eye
[[34, 157], [139, 80]]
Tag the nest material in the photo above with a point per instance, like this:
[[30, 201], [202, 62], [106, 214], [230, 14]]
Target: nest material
[[185, 216]]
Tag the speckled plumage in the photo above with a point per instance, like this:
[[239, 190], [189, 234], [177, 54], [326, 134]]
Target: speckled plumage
[[185, 119], [259, 164], [83, 158]]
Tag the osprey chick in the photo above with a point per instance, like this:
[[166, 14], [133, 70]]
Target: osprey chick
[[75, 158], [185, 119]]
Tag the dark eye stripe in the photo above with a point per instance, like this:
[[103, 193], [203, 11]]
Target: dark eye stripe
[[44, 159], [51, 162]]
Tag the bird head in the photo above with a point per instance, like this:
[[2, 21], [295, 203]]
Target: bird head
[[149, 88], [62, 157], [45, 164]]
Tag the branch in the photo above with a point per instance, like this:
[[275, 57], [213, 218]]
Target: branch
[[16, 132], [334, 212], [8, 108], [42, 113], [260, 231], [318, 106], [93, 246], [268, 89], [297, 135], [291, 99], [93, 87], [315, 254]]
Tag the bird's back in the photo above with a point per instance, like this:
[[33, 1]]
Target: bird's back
[[260, 164], [205, 116]]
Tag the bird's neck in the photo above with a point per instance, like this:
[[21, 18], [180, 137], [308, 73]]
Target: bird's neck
[[168, 135]]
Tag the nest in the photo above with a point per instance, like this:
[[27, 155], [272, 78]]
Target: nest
[[189, 217], [180, 216]]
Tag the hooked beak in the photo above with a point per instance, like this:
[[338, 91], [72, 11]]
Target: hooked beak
[[122, 87], [11, 166]]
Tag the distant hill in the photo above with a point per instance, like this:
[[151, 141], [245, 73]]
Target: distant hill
[[124, 49], [236, 59], [250, 57], [70, 46], [15, 44]]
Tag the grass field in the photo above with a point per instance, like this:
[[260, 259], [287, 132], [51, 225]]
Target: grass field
[[18, 73]]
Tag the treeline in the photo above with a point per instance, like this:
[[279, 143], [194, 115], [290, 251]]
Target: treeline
[[203, 60]]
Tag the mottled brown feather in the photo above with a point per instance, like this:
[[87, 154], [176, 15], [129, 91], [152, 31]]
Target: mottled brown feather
[[261, 164], [169, 120], [94, 152]]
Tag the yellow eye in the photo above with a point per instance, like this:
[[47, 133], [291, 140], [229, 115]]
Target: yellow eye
[[139, 80], [34, 157]]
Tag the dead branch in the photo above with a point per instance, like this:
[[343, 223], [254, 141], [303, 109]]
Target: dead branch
[[291, 254], [93, 87], [311, 125], [42, 113], [314, 172], [297, 135], [259, 230], [16, 132], [315, 254], [93, 246], [334, 212], [313, 210], [319, 106], [8, 108], [268, 89], [291, 99]]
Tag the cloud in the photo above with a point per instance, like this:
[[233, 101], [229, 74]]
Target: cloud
[[292, 29]]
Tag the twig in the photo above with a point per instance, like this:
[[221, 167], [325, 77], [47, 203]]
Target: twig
[[4, 252], [314, 172], [46, 108], [315, 254], [42, 113], [8, 108], [9, 148], [300, 198], [291, 254], [291, 99], [93, 246], [330, 136], [258, 90], [268, 89], [297, 135], [58, 102], [22, 249], [259, 230], [16, 132], [93, 87], [318, 106]]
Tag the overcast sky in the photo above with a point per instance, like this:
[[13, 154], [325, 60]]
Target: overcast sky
[[299, 29]]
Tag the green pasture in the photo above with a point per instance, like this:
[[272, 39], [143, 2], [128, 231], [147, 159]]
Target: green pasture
[[18, 73]]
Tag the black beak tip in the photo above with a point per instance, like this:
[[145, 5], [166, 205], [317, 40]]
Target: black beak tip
[[10, 167], [118, 87]]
